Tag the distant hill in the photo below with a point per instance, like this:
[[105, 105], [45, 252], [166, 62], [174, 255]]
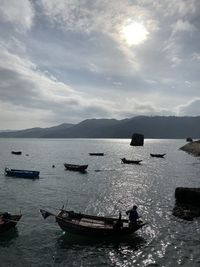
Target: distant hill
[[37, 132], [150, 127]]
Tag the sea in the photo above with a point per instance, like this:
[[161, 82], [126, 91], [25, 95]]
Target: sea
[[105, 189]]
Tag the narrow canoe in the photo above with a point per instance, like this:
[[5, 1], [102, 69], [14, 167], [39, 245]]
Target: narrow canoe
[[75, 167], [127, 161], [16, 152], [157, 155], [96, 154]]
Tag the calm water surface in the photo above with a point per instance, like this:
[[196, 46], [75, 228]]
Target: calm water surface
[[107, 188]]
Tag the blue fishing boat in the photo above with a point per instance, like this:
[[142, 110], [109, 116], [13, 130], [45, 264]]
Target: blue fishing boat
[[21, 173]]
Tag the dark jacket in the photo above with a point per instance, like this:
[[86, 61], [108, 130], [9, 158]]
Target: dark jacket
[[133, 215]]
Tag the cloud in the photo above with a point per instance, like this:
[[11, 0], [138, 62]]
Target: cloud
[[22, 84], [14, 117], [196, 56], [104, 18], [68, 59], [19, 14], [85, 16], [174, 8], [24, 90], [181, 25], [192, 108], [134, 107]]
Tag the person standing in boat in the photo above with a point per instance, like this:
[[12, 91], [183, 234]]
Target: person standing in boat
[[133, 215]]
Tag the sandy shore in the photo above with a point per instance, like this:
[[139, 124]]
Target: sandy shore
[[192, 147]]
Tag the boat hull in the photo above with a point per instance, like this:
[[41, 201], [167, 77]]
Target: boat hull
[[16, 152], [157, 155], [73, 167], [126, 161], [11, 223], [96, 154], [21, 173], [95, 226]]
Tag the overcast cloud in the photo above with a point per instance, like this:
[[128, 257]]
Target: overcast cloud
[[69, 60]]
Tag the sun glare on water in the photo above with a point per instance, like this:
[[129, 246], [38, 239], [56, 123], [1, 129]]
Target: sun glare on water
[[134, 33]]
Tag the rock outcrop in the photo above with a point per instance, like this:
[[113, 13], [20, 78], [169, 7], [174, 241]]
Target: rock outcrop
[[188, 195], [192, 147], [187, 204], [137, 140]]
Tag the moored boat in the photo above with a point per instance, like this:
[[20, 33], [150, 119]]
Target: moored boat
[[96, 154], [75, 167], [16, 152], [127, 161], [157, 155], [90, 225], [21, 173], [8, 221]]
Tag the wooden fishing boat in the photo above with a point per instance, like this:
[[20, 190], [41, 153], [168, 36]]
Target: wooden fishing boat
[[21, 173], [16, 152], [96, 154], [75, 167], [127, 161], [8, 221], [90, 225], [157, 155]]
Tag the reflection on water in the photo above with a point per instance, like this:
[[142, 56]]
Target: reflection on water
[[110, 250], [7, 238], [107, 188], [71, 240]]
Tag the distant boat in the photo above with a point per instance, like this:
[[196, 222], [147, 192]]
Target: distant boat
[[157, 155], [189, 139], [75, 167], [8, 221], [127, 161], [16, 152], [96, 154], [93, 226], [21, 173]]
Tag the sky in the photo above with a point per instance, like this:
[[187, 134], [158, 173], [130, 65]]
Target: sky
[[63, 61]]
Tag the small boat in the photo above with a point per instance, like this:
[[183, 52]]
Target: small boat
[[21, 173], [189, 139], [90, 225], [127, 161], [8, 221], [16, 152], [75, 167], [96, 154], [157, 155]]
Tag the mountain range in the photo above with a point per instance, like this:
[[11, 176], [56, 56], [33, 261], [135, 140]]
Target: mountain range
[[150, 127]]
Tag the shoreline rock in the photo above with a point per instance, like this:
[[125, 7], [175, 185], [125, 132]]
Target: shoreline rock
[[137, 139], [192, 148], [186, 212], [187, 195], [187, 205]]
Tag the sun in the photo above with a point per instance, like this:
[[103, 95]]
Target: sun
[[134, 33]]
